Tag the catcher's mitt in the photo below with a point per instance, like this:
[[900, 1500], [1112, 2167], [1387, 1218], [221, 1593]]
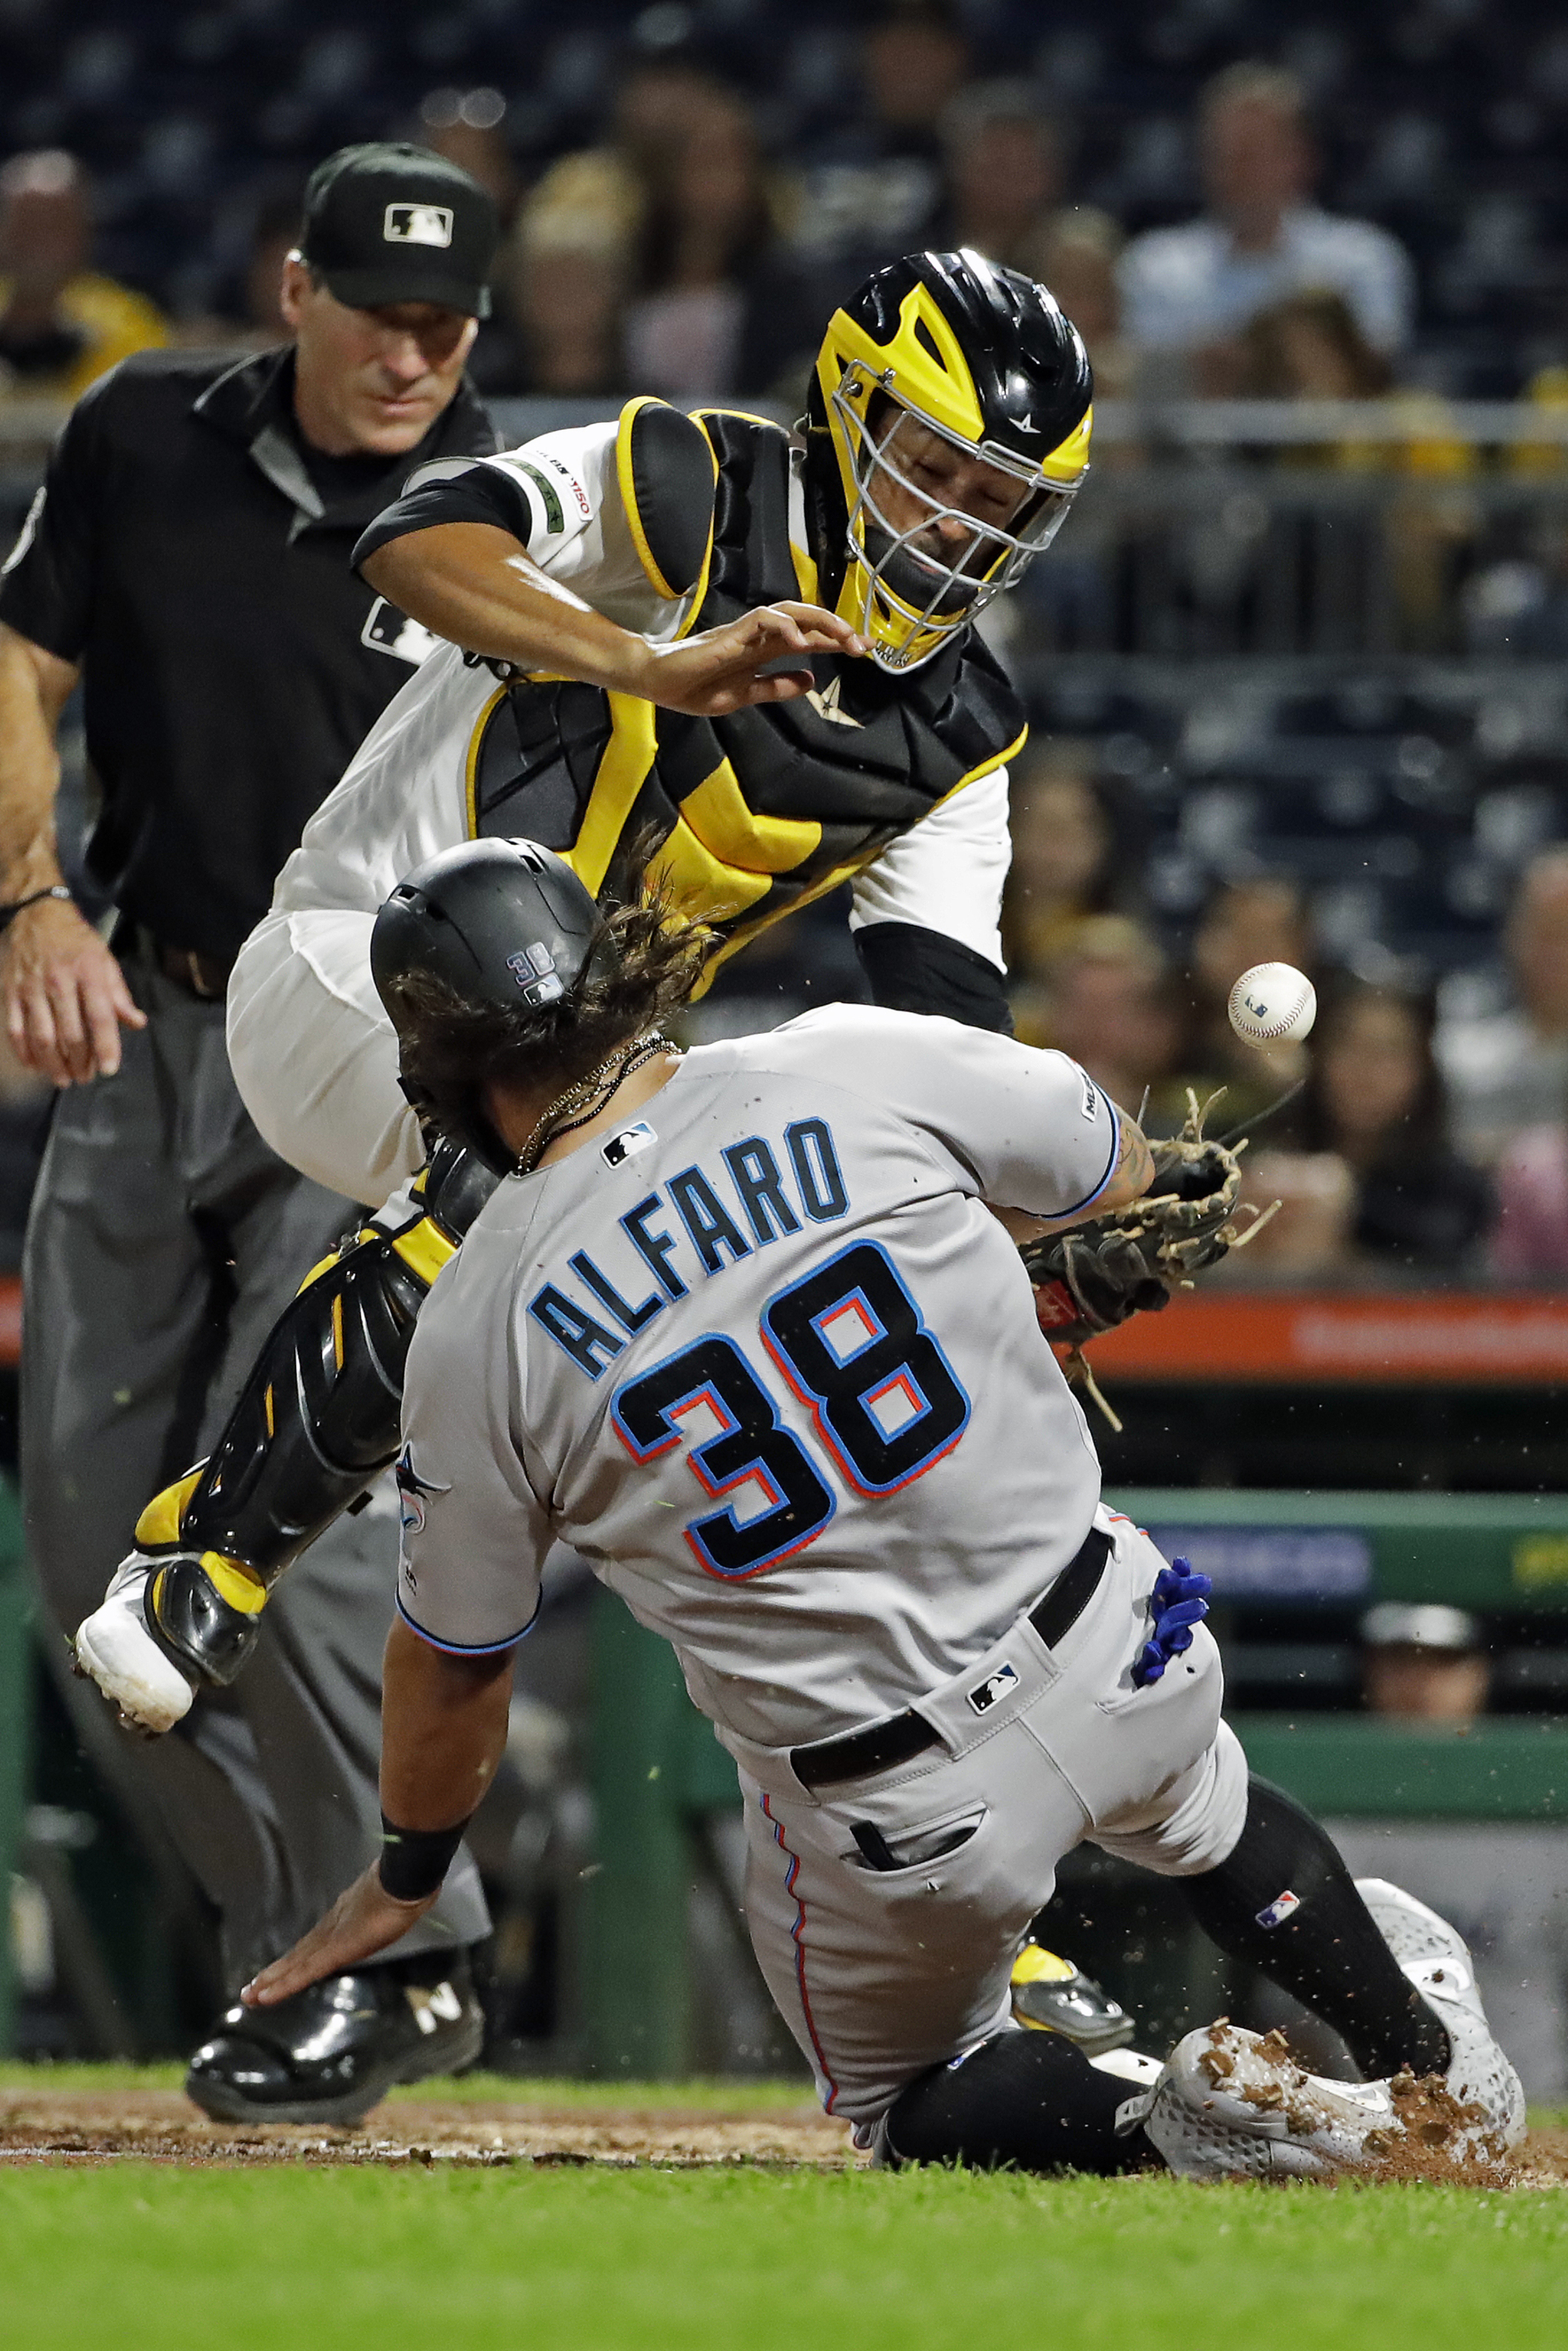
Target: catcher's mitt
[[1091, 1278]]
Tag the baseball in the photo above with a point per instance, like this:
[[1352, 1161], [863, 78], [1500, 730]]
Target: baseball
[[1273, 1004]]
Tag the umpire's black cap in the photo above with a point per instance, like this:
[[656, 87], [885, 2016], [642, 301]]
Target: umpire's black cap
[[391, 222]]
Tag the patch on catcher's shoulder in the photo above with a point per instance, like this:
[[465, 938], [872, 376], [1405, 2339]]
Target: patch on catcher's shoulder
[[993, 1687], [1279, 1909]]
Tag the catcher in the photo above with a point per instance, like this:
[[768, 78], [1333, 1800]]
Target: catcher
[[673, 625]]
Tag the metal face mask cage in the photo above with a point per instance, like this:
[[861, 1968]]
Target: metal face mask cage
[[991, 561]]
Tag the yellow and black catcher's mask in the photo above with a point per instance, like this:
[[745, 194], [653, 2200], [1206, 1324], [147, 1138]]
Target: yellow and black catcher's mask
[[939, 353]]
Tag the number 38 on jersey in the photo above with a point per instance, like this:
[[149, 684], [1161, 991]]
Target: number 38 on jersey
[[849, 1342]]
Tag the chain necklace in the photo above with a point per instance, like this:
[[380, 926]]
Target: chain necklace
[[587, 1096]]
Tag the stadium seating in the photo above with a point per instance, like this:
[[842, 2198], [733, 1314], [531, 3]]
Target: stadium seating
[[1444, 119]]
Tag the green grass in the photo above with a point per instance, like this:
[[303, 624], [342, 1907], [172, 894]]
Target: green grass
[[151, 2257], [165, 2257]]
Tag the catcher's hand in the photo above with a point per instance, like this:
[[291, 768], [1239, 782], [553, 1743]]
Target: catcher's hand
[[1091, 1278]]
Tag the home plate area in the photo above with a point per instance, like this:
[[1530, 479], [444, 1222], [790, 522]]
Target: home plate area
[[521, 2124], [84, 2125]]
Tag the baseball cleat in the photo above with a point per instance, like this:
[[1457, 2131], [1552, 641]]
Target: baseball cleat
[[1232, 2105], [114, 1649], [332, 2052], [1051, 1995], [1437, 1959]]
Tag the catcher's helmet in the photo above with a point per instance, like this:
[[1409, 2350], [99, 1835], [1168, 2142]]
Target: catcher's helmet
[[982, 357], [509, 928]]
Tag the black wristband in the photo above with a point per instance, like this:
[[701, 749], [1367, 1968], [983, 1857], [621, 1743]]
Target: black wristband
[[415, 1861], [9, 913]]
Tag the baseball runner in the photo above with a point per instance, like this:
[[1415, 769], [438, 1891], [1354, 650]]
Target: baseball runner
[[742, 1328]]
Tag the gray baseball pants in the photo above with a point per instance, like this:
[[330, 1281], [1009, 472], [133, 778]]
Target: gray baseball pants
[[881, 1973], [164, 1240]]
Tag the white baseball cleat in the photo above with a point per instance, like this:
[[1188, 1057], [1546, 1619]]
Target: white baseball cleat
[[114, 1649], [1232, 2105], [1437, 1959]]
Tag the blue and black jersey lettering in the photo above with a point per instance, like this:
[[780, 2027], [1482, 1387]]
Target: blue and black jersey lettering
[[755, 1176], [809, 1144], [631, 1318], [571, 1327], [711, 1226], [758, 1182]]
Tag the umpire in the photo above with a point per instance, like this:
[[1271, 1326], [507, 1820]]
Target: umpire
[[188, 558]]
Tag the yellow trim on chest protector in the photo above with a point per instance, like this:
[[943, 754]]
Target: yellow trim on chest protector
[[424, 1248], [622, 771], [471, 762]]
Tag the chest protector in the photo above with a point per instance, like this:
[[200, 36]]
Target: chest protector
[[770, 807]]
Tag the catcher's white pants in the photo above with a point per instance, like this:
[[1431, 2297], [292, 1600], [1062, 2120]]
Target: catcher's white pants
[[882, 1973], [315, 1057]]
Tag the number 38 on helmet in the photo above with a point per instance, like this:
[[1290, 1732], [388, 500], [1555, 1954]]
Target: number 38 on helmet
[[951, 346]]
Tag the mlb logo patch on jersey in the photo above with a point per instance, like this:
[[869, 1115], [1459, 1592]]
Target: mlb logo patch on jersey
[[1279, 1909], [627, 1144], [387, 630], [417, 225], [993, 1687]]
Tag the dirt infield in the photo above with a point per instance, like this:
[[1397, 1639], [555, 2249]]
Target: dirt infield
[[86, 2126], [66, 2127]]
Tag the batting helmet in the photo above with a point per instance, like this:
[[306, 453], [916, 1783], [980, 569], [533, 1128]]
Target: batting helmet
[[508, 929]]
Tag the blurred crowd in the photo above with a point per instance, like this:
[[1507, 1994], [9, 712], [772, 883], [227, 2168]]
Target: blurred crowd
[[1414, 1136], [691, 242]]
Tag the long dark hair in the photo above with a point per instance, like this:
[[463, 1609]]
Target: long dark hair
[[451, 1046], [1423, 1132]]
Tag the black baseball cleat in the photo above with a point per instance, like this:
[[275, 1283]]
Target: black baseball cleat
[[332, 2052], [1051, 1995]]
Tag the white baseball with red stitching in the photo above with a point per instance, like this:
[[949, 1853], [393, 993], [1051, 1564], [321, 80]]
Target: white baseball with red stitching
[[1273, 1004]]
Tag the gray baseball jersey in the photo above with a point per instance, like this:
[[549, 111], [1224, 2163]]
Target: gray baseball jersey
[[765, 1359]]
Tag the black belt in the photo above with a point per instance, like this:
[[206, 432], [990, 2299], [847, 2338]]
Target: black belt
[[904, 1736], [203, 976]]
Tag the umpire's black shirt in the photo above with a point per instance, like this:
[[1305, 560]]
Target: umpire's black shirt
[[192, 552]]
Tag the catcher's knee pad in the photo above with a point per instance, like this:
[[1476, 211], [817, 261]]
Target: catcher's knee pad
[[317, 1417], [315, 1420]]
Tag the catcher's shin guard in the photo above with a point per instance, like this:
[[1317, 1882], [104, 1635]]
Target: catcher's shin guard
[[316, 1421]]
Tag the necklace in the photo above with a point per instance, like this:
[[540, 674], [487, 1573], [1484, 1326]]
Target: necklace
[[583, 1102]]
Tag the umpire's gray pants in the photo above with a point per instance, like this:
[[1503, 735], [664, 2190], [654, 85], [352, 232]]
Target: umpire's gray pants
[[164, 1240]]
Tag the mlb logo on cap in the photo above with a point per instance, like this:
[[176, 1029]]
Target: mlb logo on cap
[[417, 225], [386, 222]]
